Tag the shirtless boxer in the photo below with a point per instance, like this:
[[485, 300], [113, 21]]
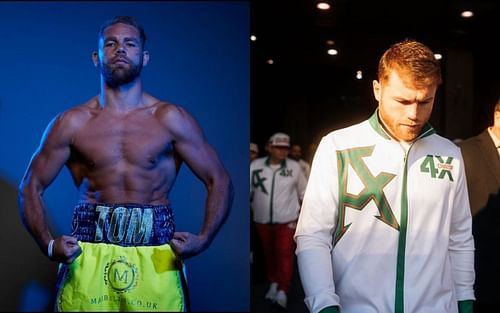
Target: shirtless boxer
[[123, 149]]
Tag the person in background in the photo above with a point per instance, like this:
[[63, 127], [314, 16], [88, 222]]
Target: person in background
[[481, 155], [254, 151], [296, 154], [277, 185], [385, 224]]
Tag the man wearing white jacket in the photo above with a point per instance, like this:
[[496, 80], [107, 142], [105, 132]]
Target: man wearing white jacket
[[385, 225], [277, 186]]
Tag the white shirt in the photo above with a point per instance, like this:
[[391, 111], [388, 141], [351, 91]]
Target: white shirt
[[306, 168]]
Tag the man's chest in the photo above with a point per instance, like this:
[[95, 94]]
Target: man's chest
[[139, 141]]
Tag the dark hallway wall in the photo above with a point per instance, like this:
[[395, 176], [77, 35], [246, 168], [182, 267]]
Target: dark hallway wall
[[306, 93]]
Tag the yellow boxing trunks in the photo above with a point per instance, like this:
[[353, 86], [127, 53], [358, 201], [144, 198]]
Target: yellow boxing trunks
[[126, 262]]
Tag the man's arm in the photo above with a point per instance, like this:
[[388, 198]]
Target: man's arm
[[193, 148], [43, 168], [461, 246], [301, 185], [315, 230]]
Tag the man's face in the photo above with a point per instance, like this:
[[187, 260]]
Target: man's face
[[253, 155], [404, 108], [278, 153], [121, 56], [295, 152]]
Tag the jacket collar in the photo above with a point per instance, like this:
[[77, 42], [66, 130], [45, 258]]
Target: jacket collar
[[268, 162]]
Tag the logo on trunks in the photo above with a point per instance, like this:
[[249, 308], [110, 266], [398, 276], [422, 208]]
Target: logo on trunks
[[120, 275], [129, 226]]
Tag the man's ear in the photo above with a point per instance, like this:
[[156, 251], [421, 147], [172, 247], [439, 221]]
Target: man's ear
[[145, 57], [376, 89], [95, 58]]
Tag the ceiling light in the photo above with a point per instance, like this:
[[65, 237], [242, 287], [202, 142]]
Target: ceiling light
[[270, 61], [332, 52], [253, 38], [359, 74], [323, 5], [467, 14], [438, 56]]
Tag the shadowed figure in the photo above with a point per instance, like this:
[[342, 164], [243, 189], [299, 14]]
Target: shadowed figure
[[21, 263], [485, 230], [482, 167]]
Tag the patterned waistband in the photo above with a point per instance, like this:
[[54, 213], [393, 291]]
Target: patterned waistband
[[123, 224]]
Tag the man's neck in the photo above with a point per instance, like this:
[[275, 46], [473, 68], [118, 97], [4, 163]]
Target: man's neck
[[496, 131], [494, 134], [274, 161], [123, 98]]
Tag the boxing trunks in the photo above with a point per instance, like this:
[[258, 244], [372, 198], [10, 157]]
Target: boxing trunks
[[126, 262]]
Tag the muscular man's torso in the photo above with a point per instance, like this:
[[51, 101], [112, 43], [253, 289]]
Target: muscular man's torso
[[122, 157]]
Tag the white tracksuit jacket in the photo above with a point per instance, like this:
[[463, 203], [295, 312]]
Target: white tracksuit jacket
[[393, 229], [276, 194]]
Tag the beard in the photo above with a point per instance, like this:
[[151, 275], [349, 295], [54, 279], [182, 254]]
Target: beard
[[118, 76]]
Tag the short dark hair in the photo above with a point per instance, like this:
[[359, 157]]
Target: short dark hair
[[129, 20]]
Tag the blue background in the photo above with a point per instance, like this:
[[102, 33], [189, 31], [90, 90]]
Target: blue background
[[199, 59]]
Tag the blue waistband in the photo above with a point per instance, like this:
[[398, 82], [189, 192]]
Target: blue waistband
[[123, 224]]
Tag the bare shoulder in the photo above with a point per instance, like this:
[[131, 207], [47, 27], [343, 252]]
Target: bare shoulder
[[168, 110], [69, 121], [175, 118]]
